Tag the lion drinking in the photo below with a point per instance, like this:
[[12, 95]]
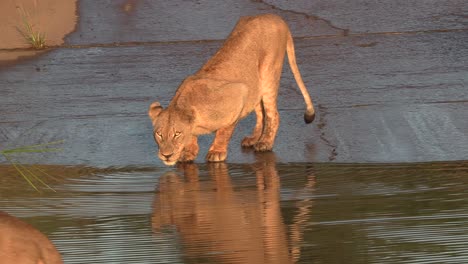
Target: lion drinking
[[243, 76]]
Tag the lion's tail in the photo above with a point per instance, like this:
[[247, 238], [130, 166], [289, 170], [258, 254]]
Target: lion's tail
[[309, 115]]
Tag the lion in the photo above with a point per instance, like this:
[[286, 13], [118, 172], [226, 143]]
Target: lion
[[243, 76], [22, 243]]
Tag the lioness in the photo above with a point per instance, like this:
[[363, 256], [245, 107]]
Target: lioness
[[20, 243], [243, 76]]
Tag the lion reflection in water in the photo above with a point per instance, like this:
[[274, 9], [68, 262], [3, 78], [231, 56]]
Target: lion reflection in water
[[238, 224]]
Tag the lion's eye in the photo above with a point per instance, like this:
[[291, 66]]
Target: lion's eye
[[177, 134], [159, 134]]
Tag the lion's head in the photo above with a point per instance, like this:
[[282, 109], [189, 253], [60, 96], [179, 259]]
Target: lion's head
[[171, 131]]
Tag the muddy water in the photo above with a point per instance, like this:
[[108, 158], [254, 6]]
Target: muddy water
[[262, 212]]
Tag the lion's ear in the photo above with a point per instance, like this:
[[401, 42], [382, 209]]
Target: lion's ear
[[154, 110]]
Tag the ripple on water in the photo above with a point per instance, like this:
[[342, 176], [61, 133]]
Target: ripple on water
[[250, 213]]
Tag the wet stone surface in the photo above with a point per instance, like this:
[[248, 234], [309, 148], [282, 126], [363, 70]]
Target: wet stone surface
[[378, 99]]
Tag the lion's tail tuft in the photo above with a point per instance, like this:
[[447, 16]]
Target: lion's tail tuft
[[309, 116], [310, 113]]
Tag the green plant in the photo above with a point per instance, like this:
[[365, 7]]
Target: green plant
[[37, 39], [30, 173]]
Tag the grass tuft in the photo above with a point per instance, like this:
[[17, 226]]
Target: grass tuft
[[35, 38], [31, 174]]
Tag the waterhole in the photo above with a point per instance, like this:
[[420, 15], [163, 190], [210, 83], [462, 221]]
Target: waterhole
[[262, 212]]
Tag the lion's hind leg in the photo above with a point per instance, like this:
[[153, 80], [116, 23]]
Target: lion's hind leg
[[271, 124], [269, 88], [250, 141]]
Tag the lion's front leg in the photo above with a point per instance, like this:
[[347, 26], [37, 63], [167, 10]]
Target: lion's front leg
[[218, 150], [190, 151]]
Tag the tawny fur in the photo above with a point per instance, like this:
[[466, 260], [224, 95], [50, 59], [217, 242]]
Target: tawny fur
[[21, 243], [243, 76]]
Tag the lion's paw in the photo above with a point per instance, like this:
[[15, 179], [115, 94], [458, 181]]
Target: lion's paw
[[188, 157], [216, 156], [263, 146], [248, 142]]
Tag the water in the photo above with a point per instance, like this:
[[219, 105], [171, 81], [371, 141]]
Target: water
[[262, 212]]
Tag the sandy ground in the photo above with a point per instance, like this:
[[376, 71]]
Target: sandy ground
[[54, 18]]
